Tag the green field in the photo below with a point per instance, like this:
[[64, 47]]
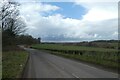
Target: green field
[[70, 47], [13, 63], [102, 56]]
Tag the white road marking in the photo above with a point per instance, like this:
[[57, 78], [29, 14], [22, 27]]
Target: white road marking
[[75, 75]]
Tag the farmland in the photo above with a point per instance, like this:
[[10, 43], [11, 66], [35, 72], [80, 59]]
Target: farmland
[[96, 55]]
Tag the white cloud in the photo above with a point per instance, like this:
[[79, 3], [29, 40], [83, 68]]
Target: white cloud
[[30, 7], [32, 12], [96, 14], [100, 22], [58, 26], [99, 10], [93, 1]]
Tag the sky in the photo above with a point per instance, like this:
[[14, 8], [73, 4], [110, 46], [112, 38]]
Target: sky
[[70, 21]]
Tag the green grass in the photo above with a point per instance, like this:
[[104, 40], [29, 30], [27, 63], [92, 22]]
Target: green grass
[[102, 56], [91, 59], [0, 62], [13, 63], [67, 47], [0, 65]]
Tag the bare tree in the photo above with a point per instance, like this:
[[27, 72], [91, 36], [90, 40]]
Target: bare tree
[[12, 23], [10, 17]]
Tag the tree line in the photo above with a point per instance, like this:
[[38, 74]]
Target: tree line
[[13, 26]]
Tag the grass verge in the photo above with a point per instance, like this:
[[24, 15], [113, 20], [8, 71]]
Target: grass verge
[[100, 56], [104, 63], [13, 63]]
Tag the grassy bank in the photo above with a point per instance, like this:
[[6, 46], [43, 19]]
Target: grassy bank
[[13, 62], [102, 56], [104, 63]]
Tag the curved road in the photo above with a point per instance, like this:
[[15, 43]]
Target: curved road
[[44, 65]]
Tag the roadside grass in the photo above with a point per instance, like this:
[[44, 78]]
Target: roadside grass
[[100, 56], [105, 63], [0, 66], [13, 63], [0, 62]]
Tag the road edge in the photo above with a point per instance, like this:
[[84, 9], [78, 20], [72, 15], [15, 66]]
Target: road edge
[[24, 68]]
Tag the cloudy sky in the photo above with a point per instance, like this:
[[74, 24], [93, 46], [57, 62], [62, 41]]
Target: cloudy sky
[[76, 20]]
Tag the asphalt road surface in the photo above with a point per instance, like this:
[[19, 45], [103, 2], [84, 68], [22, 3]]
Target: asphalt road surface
[[44, 65]]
